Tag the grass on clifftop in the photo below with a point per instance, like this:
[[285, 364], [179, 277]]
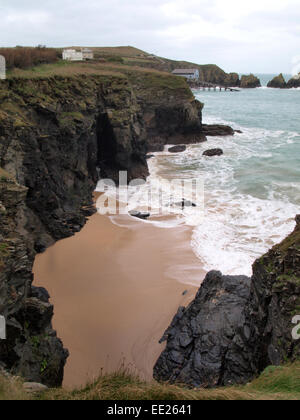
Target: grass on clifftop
[[276, 383], [149, 82]]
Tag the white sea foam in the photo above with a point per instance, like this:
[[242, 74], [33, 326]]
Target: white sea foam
[[237, 228], [247, 210]]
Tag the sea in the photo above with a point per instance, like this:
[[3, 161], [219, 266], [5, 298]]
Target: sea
[[252, 191]]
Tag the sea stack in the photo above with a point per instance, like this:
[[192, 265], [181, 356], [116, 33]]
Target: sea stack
[[294, 82], [250, 82], [278, 82], [232, 79]]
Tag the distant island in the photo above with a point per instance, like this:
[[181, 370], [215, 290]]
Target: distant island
[[279, 82]]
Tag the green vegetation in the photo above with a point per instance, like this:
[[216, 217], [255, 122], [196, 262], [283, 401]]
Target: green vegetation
[[121, 62], [275, 383], [68, 119], [292, 240], [115, 59]]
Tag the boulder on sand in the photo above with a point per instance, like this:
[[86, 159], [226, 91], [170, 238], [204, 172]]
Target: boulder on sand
[[139, 214], [185, 203]]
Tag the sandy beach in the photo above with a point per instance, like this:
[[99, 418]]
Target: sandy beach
[[115, 290]]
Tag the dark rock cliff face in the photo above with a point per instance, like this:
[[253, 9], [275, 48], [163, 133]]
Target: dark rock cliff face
[[203, 348], [236, 326], [32, 348], [54, 134], [274, 301]]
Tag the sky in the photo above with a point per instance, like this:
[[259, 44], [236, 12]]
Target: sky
[[260, 36]]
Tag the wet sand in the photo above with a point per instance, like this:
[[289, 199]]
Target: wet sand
[[115, 290]]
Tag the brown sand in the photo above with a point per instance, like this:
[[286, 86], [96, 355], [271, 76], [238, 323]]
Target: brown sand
[[115, 291]]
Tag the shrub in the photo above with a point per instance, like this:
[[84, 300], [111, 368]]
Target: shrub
[[25, 57]]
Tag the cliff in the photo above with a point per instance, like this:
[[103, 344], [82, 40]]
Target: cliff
[[237, 326], [210, 73], [55, 132]]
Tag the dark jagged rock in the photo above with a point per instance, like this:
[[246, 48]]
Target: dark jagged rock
[[32, 348], [217, 130], [172, 123], [139, 215], [213, 152], [202, 346], [40, 293], [278, 82], [177, 149], [236, 327], [185, 203], [274, 301], [250, 82], [294, 82]]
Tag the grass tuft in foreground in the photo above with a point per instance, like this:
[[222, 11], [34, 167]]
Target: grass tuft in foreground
[[276, 383]]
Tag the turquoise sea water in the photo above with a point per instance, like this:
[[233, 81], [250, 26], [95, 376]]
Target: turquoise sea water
[[252, 192]]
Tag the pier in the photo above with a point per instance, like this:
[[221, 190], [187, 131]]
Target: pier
[[211, 86]]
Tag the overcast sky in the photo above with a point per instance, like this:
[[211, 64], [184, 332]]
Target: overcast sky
[[239, 35]]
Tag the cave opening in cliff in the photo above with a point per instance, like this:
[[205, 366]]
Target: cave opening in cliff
[[107, 148]]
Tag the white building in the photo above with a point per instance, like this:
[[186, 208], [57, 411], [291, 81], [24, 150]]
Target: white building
[[72, 55], [190, 74]]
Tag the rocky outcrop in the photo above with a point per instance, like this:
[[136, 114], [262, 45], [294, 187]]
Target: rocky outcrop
[[232, 80], [250, 82], [294, 82], [217, 130], [203, 348], [177, 149], [274, 301], [57, 134], [32, 348], [236, 326], [278, 82], [213, 152]]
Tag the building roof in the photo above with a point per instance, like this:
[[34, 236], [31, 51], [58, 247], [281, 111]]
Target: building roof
[[185, 71], [87, 50]]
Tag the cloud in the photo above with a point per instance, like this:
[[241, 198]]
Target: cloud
[[260, 35], [27, 18], [296, 65]]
